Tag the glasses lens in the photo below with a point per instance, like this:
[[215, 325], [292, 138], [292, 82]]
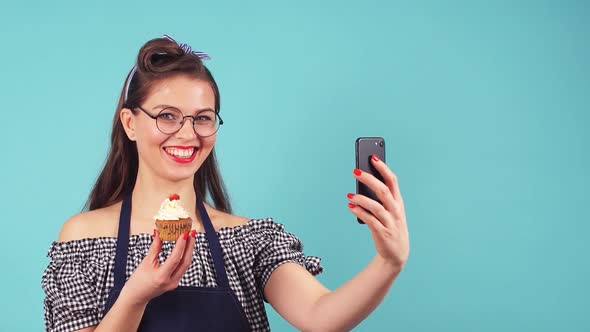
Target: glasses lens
[[169, 120], [206, 123]]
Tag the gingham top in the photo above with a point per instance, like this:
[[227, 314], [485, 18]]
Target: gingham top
[[80, 274]]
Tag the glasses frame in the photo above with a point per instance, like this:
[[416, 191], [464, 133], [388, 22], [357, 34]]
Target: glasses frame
[[193, 117]]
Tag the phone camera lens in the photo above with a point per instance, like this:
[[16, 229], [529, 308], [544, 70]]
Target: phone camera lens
[[381, 143]]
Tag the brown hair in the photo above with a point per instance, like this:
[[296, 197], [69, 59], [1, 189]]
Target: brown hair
[[158, 59]]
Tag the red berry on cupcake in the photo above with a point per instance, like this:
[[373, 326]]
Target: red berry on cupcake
[[174, 197]]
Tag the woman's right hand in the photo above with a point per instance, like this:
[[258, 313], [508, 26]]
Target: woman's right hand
[[151, 278]]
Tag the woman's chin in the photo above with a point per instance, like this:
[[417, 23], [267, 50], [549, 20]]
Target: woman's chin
[[180, 176]]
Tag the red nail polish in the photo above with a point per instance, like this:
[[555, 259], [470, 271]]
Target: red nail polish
[[185, 236], [375, 157], [155, 232], [357, 172], [349, 195], [193, 233], [350, 205]]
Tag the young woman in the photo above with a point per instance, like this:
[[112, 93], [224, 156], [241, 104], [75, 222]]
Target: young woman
[[110, 271]]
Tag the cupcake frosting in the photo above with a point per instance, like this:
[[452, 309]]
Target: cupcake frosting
[[171, 209]]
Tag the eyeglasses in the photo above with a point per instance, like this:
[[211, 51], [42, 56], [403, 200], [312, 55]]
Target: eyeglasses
[[170, 120]]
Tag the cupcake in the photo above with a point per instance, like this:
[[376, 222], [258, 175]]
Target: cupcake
[[172, 219]]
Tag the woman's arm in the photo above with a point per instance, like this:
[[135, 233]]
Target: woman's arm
[[299, 298], [150, 279], [309, 306], [125, 315]]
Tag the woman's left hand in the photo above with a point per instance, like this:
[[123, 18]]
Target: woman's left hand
[[387, 221]]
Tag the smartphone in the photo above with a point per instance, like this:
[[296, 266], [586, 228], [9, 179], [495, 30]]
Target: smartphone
[[365, 148]]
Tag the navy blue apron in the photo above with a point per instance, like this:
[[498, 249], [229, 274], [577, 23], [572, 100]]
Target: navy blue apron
[[186, 308]]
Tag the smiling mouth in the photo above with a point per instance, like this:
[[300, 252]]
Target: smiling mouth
[[181, 153]]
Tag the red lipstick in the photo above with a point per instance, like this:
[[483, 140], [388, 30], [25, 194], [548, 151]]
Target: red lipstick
[[182, 160]]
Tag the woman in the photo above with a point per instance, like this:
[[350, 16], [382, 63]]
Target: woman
[[110, 271]]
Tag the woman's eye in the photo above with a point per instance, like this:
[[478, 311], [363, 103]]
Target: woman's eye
[[167, 116], [203, 118]]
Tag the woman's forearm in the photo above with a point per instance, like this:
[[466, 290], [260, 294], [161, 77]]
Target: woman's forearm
[[345, 307], [123, 316]]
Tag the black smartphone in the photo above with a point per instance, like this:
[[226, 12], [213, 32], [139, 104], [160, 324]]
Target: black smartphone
[[365, 148]]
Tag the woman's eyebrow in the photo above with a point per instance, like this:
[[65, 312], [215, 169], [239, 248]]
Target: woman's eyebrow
[[162, 106], [202, 110]]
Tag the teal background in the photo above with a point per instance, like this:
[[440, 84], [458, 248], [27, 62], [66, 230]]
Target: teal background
[[484, 106]]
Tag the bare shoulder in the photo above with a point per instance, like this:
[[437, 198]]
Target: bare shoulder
[[223, 219], [238, 220], [92, 224]]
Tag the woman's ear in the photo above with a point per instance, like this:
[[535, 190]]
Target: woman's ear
[[128, 121]]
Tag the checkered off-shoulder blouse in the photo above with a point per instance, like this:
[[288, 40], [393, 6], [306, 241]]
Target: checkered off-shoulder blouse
[[81, 272]]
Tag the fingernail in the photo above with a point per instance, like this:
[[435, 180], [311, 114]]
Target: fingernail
[[155, 232], [375, 157], [349, 195], [350, 205], [357, 172], [193, 233], [185, 236]]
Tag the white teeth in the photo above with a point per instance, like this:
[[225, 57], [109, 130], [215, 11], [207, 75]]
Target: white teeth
[[181, 153]]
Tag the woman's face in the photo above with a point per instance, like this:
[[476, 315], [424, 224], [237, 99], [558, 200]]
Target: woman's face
[[177, 156]]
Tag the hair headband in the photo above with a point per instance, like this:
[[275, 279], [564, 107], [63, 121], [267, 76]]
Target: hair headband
[[185, 47]]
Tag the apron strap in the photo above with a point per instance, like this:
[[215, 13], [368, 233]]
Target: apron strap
[[122, 243], [214, 246]]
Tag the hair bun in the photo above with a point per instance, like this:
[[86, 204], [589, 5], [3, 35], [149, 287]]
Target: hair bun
[[162, 58], [157, 56]]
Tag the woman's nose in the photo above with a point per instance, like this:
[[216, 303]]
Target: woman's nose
[[187, 128]]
